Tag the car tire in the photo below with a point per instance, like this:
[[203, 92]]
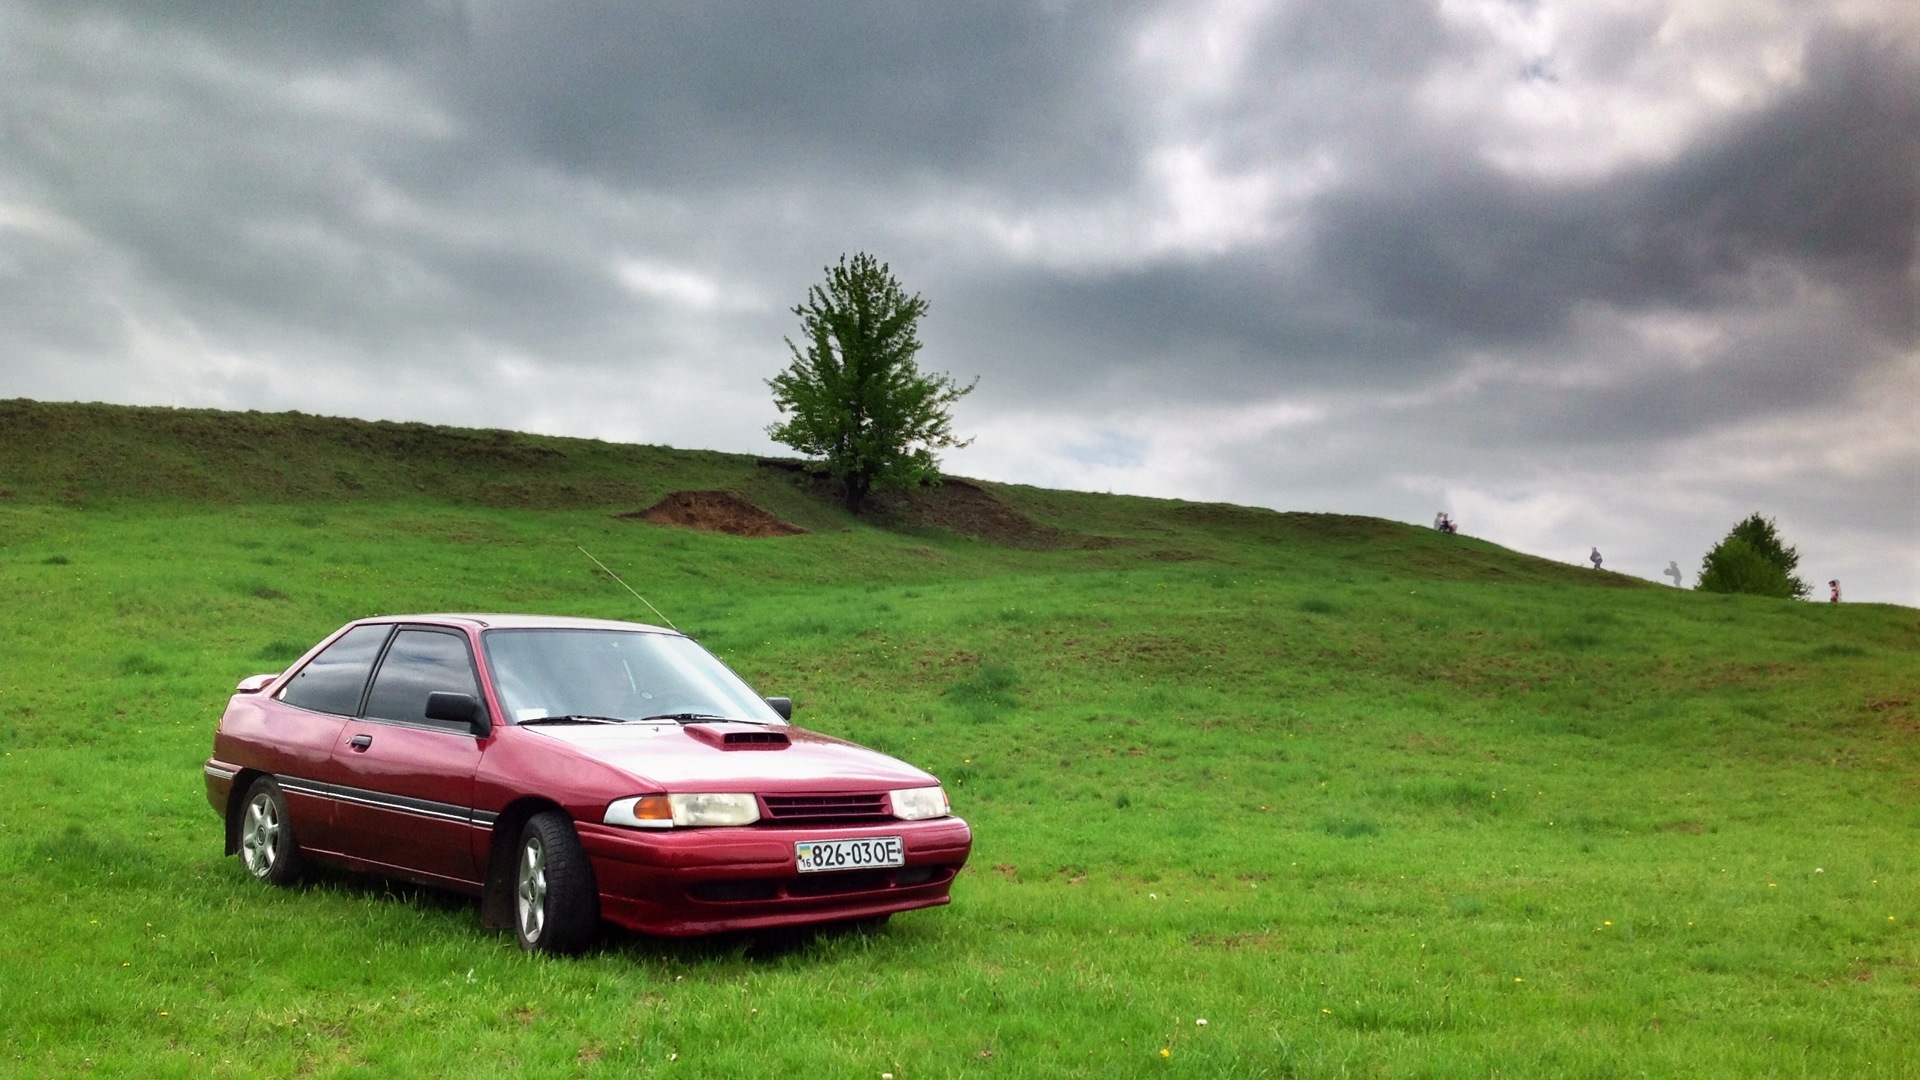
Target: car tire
[[268, 849], [556, 907]]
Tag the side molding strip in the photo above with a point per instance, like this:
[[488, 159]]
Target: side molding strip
[[425, 808]]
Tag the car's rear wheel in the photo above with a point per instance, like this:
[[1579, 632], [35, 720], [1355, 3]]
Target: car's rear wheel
[[556, 907], [267, 846]]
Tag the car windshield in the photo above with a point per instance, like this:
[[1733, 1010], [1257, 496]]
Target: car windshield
[[615, 675]]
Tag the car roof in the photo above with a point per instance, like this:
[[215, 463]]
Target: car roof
[[499, 621]]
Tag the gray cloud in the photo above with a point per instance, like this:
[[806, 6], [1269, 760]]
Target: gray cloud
[[748, 96]]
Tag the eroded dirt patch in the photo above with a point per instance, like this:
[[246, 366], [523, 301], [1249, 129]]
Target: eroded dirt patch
[[970, 510], [954, 505], [715, 511]]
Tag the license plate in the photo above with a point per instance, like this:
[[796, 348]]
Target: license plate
[[813, 855]]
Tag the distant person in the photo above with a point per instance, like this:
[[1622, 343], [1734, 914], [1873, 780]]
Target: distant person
[[1673, 571], [1440, 521], [1596, 558], [1834, 597]]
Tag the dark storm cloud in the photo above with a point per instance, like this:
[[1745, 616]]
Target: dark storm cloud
[[288, 180], [1797, 370], [745, 95], [1413, 271], [1217, 330], [1820, 181]]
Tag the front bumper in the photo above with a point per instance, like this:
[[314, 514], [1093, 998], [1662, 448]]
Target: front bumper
[[702, 881]]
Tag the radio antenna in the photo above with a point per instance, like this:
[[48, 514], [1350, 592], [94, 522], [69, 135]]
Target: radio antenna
[[629, 588]]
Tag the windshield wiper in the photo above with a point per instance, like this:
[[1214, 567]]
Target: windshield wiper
[[572, 718], [699, 718]]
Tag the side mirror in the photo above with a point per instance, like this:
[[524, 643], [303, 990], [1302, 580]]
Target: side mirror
[[459, 709], [783, 706]]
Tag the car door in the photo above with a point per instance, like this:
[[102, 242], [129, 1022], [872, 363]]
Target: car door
[[405, 793], [294, 734]]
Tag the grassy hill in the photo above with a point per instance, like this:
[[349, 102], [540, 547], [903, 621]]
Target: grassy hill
[[1368, 799]]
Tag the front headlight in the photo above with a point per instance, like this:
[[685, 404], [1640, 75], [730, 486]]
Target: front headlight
[[916, 804], [666, 811]]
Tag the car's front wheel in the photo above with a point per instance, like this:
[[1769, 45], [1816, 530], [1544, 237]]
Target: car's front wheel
[[556, 906], [267, 847]]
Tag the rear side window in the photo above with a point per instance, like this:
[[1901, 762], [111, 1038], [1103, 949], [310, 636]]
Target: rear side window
[[419, 663], [333, 681]]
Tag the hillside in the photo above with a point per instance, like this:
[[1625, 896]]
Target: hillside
[[82, 455], [1369, 800]]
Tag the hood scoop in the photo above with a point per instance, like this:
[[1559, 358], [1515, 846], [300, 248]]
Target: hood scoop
[[739, 738]]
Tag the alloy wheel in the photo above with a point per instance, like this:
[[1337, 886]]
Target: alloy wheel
[[531, 893], [260, 835]]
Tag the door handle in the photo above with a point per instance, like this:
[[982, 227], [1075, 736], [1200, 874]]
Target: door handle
[[360, 742]]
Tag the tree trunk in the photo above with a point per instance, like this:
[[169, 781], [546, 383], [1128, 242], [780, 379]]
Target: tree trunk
[[857, 488]]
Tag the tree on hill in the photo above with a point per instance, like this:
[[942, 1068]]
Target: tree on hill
[[1753, 560], [853, 395]]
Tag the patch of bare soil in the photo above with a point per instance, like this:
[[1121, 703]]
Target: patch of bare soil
[[955, 505], [968, 509], [715, 511]]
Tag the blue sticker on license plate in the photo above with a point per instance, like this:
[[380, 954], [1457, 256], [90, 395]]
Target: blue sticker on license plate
[[862, 854]]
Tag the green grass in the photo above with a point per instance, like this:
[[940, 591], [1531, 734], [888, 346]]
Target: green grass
[[1369, 800]]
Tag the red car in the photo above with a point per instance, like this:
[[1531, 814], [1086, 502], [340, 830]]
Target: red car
[[568, 771]]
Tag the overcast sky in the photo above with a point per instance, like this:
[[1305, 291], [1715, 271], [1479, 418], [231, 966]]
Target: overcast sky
[[1581, 272]]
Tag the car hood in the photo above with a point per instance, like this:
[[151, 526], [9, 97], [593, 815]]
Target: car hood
[[694, 758]]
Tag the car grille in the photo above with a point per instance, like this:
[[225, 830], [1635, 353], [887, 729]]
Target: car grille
[[786, 809]]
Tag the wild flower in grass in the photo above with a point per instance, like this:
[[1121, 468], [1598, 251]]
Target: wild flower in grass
[[1166, 1051]]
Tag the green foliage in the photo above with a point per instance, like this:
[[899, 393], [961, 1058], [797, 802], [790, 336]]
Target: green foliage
[[1752, 560], [854, 396], [1733, 566]]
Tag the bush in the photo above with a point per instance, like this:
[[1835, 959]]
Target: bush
[[1753, 560], [1735, 567]]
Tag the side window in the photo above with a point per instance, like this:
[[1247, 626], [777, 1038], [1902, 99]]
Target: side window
[[333, 681], [419, 663]]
